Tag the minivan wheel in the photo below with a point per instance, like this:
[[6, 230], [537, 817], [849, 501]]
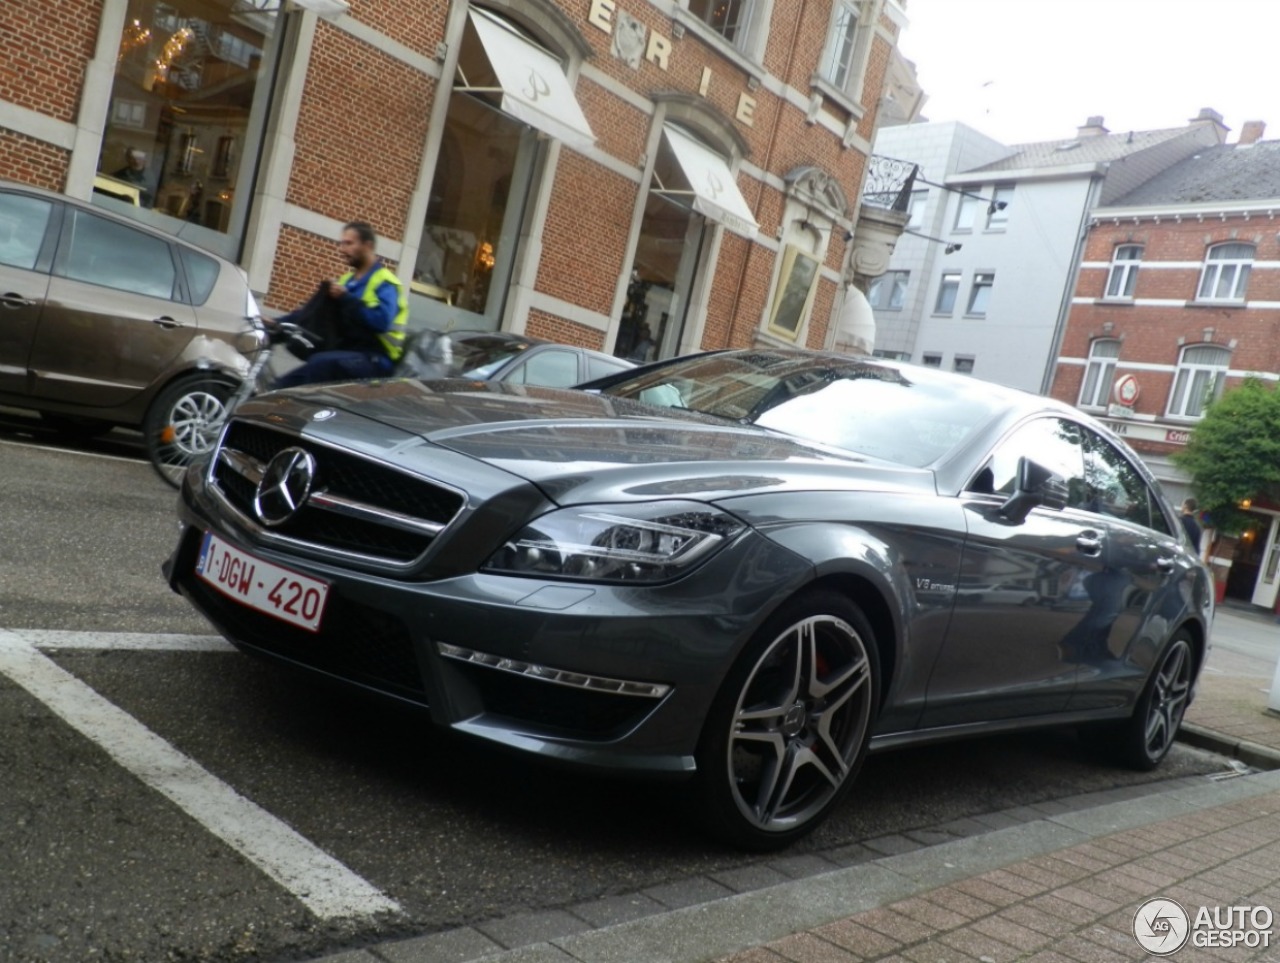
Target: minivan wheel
[[183, 423], [788, 730]]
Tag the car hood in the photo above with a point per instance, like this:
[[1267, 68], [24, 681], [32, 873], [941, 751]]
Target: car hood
[[582, 447]]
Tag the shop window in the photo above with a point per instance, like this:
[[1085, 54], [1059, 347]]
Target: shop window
[[1100, 375], [1226, 273], [690, 190], [1201, 375], [1124, 271], [188, 104], [484, 173]]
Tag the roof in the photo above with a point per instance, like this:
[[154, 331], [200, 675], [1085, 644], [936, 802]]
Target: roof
[[1080, 150], [1224, 172]]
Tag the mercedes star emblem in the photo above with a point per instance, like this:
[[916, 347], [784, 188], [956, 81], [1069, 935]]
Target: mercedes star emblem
[[285, 486]]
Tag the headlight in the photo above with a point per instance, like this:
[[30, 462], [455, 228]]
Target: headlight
[[653, 542]]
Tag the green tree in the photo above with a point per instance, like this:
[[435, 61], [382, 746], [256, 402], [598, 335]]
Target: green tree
[[1234, 454]]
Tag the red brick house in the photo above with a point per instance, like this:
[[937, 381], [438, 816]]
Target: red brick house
[[1177, 299], [576, 169]]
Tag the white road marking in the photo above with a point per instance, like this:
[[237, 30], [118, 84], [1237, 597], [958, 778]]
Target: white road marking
[[325, 886], [70, 451], [131, 641]]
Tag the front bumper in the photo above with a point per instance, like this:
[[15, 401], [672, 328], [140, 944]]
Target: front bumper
[[400, 636]]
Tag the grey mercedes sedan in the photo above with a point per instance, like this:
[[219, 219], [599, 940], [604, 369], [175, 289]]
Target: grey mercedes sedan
[[744, 568]]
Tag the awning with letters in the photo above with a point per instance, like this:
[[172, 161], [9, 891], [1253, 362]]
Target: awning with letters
[[714, 188], [533, 87]]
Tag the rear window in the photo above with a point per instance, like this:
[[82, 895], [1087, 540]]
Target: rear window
[[202, 274]]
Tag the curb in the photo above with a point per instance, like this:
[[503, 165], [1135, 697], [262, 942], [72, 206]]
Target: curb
[[1250, 753]]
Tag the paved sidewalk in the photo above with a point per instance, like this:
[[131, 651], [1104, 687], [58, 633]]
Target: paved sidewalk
[[1060, 887]]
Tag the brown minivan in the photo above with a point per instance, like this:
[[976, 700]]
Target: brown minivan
[[105, 322]]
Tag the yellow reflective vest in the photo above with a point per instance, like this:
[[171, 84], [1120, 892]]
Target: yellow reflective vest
[[392, 340]]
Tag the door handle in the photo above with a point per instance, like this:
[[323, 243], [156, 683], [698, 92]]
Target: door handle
[[1164, 565], [12, 299], [1089, 543], [166, 322]]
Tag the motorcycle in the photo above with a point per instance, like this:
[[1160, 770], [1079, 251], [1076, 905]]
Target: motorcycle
[[188, 428]]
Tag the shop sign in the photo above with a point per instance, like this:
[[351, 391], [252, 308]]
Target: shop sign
[[633, 43], [1126, 390], [1145, 431]]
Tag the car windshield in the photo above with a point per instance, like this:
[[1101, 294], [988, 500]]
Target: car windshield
[[480, 357], [905, 415]]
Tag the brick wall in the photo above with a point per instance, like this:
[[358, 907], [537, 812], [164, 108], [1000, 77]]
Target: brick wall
[[552, 328], [32, 162], [362, 126], [1156, 334], [45, 46]]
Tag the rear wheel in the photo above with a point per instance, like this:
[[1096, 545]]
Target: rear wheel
[[789, 728], [183, 424], [1143, 740]]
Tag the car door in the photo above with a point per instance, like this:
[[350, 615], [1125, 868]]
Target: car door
[[1139, 587], [28, 229], [1021, 589], [115, 317]]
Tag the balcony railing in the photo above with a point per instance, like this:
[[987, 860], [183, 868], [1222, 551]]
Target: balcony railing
[[889, 182]]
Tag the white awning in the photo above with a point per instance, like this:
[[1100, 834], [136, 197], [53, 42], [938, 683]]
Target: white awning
[[534, 87], [715, 191]]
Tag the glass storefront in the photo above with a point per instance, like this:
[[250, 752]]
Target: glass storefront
[[186, 114]]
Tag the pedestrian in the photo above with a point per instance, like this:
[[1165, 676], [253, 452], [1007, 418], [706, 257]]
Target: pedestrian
[[367, 335], [1190, 523]]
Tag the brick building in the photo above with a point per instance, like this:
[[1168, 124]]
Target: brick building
[[1177, 299], [582, 170]]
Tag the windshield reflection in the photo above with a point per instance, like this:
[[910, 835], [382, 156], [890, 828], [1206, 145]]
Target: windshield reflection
[[903, 415]]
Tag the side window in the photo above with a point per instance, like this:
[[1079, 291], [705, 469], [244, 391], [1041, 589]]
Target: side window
[[202, 274], [1050, 442], [598, 368], [552, 369], [115, 256], [1117, 489], [23, 221]]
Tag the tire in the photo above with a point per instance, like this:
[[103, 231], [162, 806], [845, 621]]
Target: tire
[[74, 426], [788, 730], [1143, 740], [183, 423]]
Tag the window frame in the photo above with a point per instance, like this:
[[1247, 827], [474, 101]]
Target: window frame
[[889, 280], [982, 281], [931, 359], [751, 32], [791, 253], [998, 218], [943, 285], [1184, 380], [1214, 268], [850, 45], [1124, 270], [1100, 370], [966, 214]]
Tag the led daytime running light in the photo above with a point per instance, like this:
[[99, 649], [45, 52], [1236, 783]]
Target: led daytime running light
[[543, 673]]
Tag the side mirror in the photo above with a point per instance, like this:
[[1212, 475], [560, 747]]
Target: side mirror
[[1037, 485]]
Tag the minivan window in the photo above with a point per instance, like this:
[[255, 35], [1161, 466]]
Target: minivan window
[[202, 273], [115, 256], [22, 225]]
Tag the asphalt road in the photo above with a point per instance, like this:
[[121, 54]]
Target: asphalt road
[[119, 754]]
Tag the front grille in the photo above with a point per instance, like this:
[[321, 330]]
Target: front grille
[[355, 642], [385, 515]]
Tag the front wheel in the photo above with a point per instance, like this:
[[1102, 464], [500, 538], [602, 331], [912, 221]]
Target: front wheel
[[183, 423], [788, 730]]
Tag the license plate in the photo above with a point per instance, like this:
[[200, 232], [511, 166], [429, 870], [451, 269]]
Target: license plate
[[288, 595]]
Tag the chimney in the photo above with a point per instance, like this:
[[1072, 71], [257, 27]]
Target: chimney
[[1092, 128], [1252, 131], [1208, 115]]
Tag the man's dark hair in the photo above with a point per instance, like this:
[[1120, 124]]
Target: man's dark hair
[[364, 231], [1189, 505]]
